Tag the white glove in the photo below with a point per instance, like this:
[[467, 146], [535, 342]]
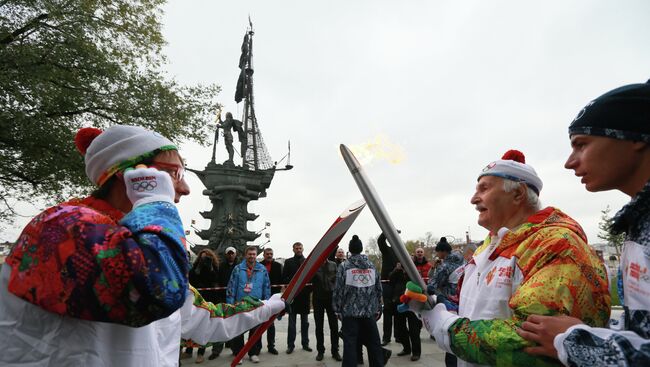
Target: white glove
[[437, 322], [146, 185], [276, 303]]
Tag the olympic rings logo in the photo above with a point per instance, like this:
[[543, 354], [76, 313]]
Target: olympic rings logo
[[143, 186], [361, 278]]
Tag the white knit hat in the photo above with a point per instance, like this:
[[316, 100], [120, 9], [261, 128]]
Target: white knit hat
[[512, 166], [117, 148]]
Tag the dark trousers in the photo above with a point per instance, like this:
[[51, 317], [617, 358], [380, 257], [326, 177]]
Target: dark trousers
[[238, 343], [409, 337], [270, 336], [304, 330], [320, 308], [389, 310], [362, 330], [216, 349]]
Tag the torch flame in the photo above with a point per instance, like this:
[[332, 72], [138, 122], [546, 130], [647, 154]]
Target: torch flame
[[379, 148]]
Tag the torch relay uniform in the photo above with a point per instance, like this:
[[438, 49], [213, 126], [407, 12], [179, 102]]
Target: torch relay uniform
[[626, 343], [545, 267], [87, 285], [357, 298]]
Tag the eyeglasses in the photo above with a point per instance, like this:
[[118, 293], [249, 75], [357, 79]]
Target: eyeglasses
[[176, 171]]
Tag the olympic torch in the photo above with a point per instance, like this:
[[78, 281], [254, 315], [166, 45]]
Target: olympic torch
[[382, 218]]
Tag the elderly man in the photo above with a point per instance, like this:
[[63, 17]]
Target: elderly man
[[532, 262], [102, 280], [610, 138]]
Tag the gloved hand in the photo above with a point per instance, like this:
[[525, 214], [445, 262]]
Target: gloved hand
[[145, 185], [437, 320], [278, 305], [413, 299]]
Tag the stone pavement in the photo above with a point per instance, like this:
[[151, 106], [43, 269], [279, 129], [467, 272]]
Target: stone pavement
[[431, 354]]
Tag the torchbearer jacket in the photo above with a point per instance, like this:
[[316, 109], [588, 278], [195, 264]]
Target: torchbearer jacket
[[542, 267], [357, 292], [625, 343], [86, 285]]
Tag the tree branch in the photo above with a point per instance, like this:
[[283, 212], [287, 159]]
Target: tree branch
[[26, 28]]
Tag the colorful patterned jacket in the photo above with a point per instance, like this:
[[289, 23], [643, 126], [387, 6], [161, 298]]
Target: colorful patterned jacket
[[542, 267], [83, 261], [626, 343]]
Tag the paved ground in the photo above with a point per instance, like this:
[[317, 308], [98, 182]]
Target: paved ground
[[431, 354]]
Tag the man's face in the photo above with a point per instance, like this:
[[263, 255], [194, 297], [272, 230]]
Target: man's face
[[495, 206], [297, 250], [441, 254], [340, 253], [268, 255], [251, 255], [230, 256], [419, 253], [603, 163]]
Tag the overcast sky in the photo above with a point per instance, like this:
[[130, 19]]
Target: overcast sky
[[449, 85]]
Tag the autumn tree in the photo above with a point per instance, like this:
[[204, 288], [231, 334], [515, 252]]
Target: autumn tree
[[605, 234], [66, 64]]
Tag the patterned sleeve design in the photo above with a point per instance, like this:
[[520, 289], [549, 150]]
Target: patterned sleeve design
[[558, 274], [76, 259], [585, 346]]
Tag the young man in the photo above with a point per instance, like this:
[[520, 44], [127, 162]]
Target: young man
[[444, 278], [610, 138], [103, 280], [274, 269], [248, 279], [300, 305], [534, 261]]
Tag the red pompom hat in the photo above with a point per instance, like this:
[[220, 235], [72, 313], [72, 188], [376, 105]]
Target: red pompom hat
[[117, 148], [512, 166]]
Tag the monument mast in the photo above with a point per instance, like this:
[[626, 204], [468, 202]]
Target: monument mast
[[231, 187]]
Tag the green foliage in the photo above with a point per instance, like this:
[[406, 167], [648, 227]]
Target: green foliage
[[605, 234], [68, 64]]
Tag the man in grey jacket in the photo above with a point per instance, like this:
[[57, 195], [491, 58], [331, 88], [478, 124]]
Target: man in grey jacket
[[357, 301]]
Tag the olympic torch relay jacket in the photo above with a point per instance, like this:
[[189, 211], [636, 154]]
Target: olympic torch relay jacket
[[88, 286], [357, 292], [542, 267]]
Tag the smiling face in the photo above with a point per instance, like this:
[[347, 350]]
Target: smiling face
[[604, 163], [251, 255], [419, 253], [496, 207]]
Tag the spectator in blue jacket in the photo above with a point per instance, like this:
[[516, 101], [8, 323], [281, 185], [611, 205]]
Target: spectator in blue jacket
[[248, 279]]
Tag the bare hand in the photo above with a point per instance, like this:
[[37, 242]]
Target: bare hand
[[543, 330]]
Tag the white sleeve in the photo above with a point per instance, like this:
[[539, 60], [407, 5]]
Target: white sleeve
[[582, 345], [203, 326], [437, 322]]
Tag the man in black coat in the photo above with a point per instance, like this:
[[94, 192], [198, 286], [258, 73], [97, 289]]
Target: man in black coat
[[300, 305], [225, 269], [274, 269], [388, 262], [323, 286]]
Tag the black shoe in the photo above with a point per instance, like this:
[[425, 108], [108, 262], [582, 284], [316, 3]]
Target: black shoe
[[387, 354], [319, 356], [307, 349], [385, 343], [337, 356], [404, 352], [289, 350], [415, 358], [273, 351], [213, 356]]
